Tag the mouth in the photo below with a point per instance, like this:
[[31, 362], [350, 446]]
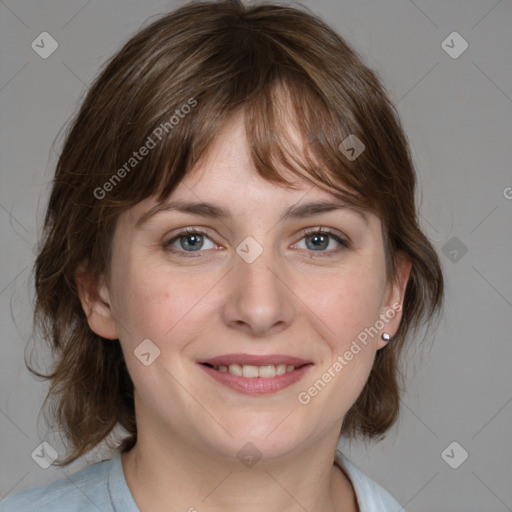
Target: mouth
[[254, 374]]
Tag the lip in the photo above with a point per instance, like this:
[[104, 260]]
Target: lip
[[254, 359], [256, 385]]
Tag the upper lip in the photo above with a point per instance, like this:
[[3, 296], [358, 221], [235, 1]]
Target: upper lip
[[255, 360]]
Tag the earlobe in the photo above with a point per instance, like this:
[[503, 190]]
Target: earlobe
[[95, 300]]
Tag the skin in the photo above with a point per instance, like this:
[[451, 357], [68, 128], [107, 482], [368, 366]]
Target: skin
[[291, 300]]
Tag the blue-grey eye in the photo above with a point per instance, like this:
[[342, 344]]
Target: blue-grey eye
[[193, 241], [320, 241], [188, 241]]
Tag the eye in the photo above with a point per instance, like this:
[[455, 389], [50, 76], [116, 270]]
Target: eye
[[192, 240], [188, 240], [319, 239]]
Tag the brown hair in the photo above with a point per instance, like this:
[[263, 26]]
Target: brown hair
[[219, 58]]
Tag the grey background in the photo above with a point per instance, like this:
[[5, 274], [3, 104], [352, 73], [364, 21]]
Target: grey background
[[458, 116]]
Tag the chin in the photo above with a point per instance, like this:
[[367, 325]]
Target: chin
[[269, 438]]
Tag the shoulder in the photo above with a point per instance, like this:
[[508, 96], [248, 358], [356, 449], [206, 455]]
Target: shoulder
[[82, 491], [370, 495]]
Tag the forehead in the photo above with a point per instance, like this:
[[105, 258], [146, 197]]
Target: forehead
[[225, 184], [226, 172]]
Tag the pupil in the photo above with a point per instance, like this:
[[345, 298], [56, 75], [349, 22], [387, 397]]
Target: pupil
[[318, 238], [195, 238]]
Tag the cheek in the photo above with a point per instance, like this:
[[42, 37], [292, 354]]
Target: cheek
[[154, 305], [157, 303], [348, 303]]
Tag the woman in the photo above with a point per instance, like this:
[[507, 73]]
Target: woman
[[231, 267]]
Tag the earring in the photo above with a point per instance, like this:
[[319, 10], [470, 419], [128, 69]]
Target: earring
[[385, 336]]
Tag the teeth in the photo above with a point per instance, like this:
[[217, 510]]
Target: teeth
[[251, 371], [235, 369], [280, 369], [267, 371]]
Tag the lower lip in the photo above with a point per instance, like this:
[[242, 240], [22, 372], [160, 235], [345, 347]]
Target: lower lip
[[257, 385]]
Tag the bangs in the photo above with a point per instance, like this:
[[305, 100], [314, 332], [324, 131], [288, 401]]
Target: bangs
[[288, 128]]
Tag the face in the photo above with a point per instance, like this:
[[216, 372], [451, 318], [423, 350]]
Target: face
[[282, 301]]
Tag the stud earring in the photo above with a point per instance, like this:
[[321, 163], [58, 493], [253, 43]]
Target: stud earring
[[385, 336]]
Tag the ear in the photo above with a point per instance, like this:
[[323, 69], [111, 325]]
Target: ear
[[95, 300], [391, 310]]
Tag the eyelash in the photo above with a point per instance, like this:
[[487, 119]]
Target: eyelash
[[345, 244]]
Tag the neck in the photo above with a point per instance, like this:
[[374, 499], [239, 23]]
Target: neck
[[179, 477]]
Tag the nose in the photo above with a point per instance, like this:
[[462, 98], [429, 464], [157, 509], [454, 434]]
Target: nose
[[259, 300]]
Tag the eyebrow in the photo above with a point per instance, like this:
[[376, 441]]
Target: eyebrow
[[214, 211]]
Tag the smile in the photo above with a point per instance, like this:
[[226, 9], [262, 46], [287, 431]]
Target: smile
[[255, 374]]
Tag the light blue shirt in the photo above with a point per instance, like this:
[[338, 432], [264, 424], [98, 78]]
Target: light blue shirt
[[102, 487]]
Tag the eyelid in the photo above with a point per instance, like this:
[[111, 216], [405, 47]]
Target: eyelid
[[329, 231]]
